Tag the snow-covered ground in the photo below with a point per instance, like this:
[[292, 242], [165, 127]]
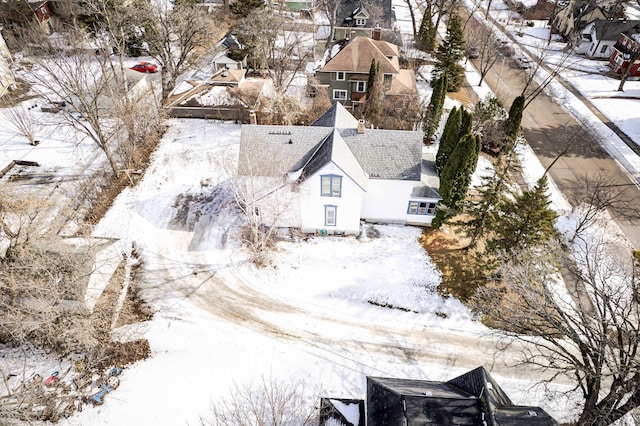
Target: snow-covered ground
[[307, 316], [310, 316]]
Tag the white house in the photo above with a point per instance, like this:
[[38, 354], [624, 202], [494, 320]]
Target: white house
[[328, 177], [6, 76], [599, 37]]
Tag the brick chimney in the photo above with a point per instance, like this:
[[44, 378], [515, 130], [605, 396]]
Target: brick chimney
[[377, 33], [361, 127], [352, 35]]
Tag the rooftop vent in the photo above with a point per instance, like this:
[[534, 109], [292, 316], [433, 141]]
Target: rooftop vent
[[361, 126]]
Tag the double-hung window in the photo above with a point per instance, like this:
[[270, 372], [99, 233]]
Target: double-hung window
[[422, 208], [340, 76], [330, 213], [361, 86], [331, 186], [340, 95]]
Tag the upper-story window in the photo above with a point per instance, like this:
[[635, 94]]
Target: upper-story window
[[340, 76], [361, 86], [361, 22], [331, 186]]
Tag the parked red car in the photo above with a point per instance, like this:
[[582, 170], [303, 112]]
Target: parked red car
[[145, 67]]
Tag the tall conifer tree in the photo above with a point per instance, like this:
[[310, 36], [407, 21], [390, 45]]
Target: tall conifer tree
[[449, 138], [434, 110], [512, 125], [456, 176], [449, 54]]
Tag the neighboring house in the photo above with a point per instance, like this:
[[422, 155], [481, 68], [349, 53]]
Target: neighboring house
[[327, 177], [599, 37], [571, 19], [355, 18], [44, 16], [366, 15], [346, 74], [473, 398], [224, 61], [225, 95], [6, 76], [627, 47]]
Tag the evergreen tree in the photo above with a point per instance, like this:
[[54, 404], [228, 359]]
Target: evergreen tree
[[426, 40], [434, 110], [449, 138], [373, 70], [524, 221], [490, 193], [456, 176], [466, 123], [512, 125], [449, 54], [242, 8], [375, 95]]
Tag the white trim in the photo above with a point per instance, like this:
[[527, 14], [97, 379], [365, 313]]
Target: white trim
[[339, 91]]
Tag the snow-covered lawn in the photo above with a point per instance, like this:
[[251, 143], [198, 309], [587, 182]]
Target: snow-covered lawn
[[313, 314], [308, 316]]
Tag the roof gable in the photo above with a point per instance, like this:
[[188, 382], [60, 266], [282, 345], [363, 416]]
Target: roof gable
[[337, 116]]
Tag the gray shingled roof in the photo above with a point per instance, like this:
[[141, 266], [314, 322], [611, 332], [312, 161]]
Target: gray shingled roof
[[276, 150], [611, 30], [378, 154], [386, 154]]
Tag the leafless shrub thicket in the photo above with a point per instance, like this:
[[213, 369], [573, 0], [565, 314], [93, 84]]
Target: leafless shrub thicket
[[264, 402], [22, 121]]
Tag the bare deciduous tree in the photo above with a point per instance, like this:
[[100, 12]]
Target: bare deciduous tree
[[83, 80], [489, 49], [177, 37], [587, 332], [330, 10], [17, 214], [530, 90], [276, 46], [23, 121], [593, 195], [266, 402], [265, 198]]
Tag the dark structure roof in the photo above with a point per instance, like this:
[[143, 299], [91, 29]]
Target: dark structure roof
[[473, 398], [611, 30], [303, 150]]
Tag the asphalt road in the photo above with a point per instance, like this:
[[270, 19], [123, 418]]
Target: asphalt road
[[549, 128]]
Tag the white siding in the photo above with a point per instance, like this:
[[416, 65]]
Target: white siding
[[387, 201], [312, 204]]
